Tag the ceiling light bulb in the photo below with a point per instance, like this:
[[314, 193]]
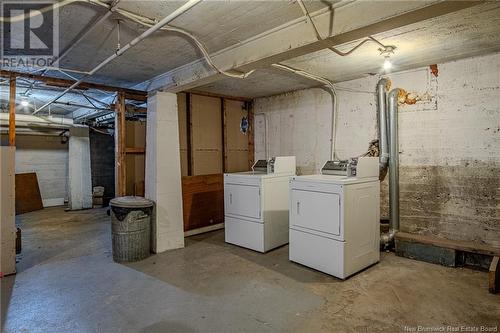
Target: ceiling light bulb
[[25, 102], [387, 64]]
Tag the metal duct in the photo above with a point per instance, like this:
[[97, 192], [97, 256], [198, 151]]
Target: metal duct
[[25, 120], [393, 167], [382, 124]]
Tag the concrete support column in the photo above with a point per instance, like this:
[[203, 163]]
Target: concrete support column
[[79, 181], [163, 171]]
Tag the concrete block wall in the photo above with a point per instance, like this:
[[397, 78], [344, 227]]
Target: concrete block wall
[[449, 142], [102, 161], [48, 157]]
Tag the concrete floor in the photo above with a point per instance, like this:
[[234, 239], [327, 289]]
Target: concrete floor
[[67, 282]]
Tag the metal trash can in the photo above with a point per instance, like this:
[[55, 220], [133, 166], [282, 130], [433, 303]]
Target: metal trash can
[[131, 228]]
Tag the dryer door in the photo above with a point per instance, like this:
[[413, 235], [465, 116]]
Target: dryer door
[[316, 211], [242, 200]]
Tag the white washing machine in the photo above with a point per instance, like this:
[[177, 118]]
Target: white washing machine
[[335, 217], [256, 204]]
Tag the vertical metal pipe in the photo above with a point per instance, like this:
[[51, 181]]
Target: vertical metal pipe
[[382, 123], [393, 161]]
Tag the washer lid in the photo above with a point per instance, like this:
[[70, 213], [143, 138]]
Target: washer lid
[[131, 202]]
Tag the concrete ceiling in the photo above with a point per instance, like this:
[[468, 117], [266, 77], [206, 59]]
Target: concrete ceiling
[[219, 24], [469, 32], [229, 27], [38, 94]]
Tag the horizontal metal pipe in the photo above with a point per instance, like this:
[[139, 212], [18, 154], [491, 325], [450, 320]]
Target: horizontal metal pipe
[[91, 116], [184, 8], [27, 120], [34, 132], [318, 35], [332, 89], [80, 106]]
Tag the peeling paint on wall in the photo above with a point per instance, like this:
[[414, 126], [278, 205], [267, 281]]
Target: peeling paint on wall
[[449, 142]]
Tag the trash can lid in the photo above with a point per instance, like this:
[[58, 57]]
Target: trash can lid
[[131, 202]]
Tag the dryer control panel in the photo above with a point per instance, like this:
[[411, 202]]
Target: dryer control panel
[[276, 165], [359, 167], [336, 168]]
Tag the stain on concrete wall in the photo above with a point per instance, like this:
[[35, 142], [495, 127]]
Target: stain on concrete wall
[[449, 142], [48, 157]]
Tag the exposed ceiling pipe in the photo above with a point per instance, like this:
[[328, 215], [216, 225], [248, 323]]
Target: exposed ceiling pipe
[[27, 120], [340, 53], [35, 131], [331, 87], [181, 10], [90, 99], [148, 22], [382, 86], [81, 106], [393, 168], [48, 68], [92, 115]]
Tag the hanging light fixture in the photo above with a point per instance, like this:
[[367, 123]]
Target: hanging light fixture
[[387, 63], [386, 52], [24, 102]]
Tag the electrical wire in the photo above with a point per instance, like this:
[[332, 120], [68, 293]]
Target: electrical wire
[[331, 86], [320, 38], [148, 22]]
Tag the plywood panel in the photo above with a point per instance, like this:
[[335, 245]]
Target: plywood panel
[[7, 211], [183, 131], [135, 134], [28, 198], [182, 108], [184, 163], [203, 201], [237, 161], [135, 172], [207, 162], [236, 141], [135, 163], [206, 134]]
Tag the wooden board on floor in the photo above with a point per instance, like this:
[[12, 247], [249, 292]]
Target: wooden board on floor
[[464, 246], [203, 201], [494, 276], [28, 198]]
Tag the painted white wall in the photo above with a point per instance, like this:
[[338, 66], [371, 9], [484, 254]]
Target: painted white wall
[[449, 142], [80, 179], [163, 171], [48, 158]]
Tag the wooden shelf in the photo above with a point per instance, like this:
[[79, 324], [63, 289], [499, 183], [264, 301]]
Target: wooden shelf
[[135, 150]]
